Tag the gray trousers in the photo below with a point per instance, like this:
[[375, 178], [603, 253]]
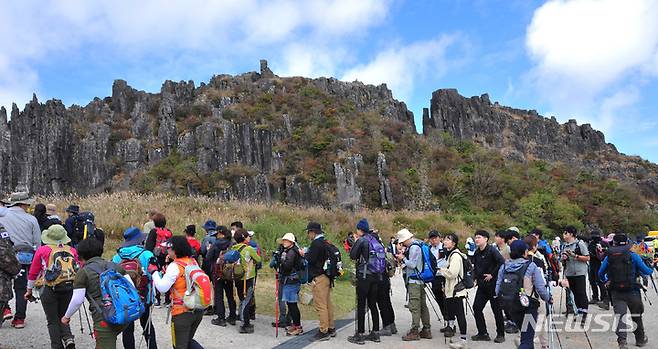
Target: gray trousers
[[622, 303], [54, 304]]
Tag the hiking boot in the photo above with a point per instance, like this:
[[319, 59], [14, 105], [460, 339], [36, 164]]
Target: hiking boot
[[593, 301], [394, 329], [231, 320], [218, 322], [643, 342], [623, 345], [603, 305], [252, 317], [484, 337], [449, 332], [209, 312], [69, 343], [425, 333], [412, 335], [373, 336], [332, 332], [458, 344], [6, 314], [246, 329], [321, 336], [18, 323], [283, 324], [357, 338], [499, 338], [444, 329], [294, 330], [511, 328], [386, 331]]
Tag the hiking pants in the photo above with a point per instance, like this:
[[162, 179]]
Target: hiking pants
[[106, 335], [597, 287], [322, 302], [246, 299], [623, 302], [455, 308], [486, 292], [20, 287], [526, 322], [222, 288], [578, 285], [54, 305], [284, 317], [440, 295], [183, 328], [418, 306], [384, 301], [128, 335], [366, 295]]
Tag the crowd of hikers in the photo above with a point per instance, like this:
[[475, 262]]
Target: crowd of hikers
[[61, 263]]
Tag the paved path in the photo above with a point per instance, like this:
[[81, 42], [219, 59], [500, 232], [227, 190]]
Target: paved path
[[35, 334]]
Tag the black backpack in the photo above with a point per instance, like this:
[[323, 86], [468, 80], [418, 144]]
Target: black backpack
[[620, 269], [466, 282], [334, 264], [84, 226], [510, 288]]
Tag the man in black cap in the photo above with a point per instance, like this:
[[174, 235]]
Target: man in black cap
[[485, 271], [316, 256], [69, 224], [619, 271]]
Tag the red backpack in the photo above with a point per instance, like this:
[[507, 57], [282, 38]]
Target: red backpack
[[133, 267], [162, 235]]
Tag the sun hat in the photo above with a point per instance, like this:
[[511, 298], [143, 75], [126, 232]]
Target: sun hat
[[55, 235], [133, 236], [514, 229], [404, 235], [289, 236], [21, 197]]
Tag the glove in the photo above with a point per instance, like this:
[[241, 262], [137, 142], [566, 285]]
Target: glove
[[152, 268]]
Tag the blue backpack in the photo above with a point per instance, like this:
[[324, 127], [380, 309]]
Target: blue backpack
[[376, 255], [429, 264], [302, 272], [121, 303]]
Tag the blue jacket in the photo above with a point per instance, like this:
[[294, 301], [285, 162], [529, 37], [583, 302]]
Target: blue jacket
[[543, 244], [638, 264], [131, 252], [532, 274]]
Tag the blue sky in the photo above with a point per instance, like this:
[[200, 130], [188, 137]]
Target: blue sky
[[592, 60]]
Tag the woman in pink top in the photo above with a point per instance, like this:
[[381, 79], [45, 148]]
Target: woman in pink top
[[53, 269]]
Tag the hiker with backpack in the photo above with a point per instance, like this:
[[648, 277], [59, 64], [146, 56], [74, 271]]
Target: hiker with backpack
[[85, 227], [113, 299], [251, 242], [317, 256], [53, 272], [135, 260], [245, 284], [419, 270], [485, 271], [438, 285], [190, 232], [191, 292], [25, 234], [539, 259], [156, 242], [72, 211], [9, 268], [210, 227], [369, 257], [596, 248], [456, 290], [519, 287], [550, 256], [384, 303], [620, 271], [291, 269], [215, 265], [575, 256], [284, 319]]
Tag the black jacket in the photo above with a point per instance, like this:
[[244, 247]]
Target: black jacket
[[487, 261], [290, 263], [213, 252], [359, 254], [316, 256]]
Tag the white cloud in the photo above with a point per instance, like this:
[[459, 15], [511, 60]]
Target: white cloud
[[593, 56], [401, 67], [31, 35]]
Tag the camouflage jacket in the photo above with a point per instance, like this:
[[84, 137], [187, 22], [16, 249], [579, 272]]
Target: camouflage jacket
[[9, 268]]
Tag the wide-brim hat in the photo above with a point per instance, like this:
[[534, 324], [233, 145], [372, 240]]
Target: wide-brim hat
[[514, 229], [55, 235], [133, 236], [210, 225], [21, 197], [289, 236], [404, 235]]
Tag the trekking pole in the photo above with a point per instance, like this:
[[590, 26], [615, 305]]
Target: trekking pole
[[427, 295], [276, 304], [557, 335], [82, 331], [91, 332]]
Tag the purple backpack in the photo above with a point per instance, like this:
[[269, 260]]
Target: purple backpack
[[376, 255]]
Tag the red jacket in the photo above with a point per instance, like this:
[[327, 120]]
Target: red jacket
[[194, 243]]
